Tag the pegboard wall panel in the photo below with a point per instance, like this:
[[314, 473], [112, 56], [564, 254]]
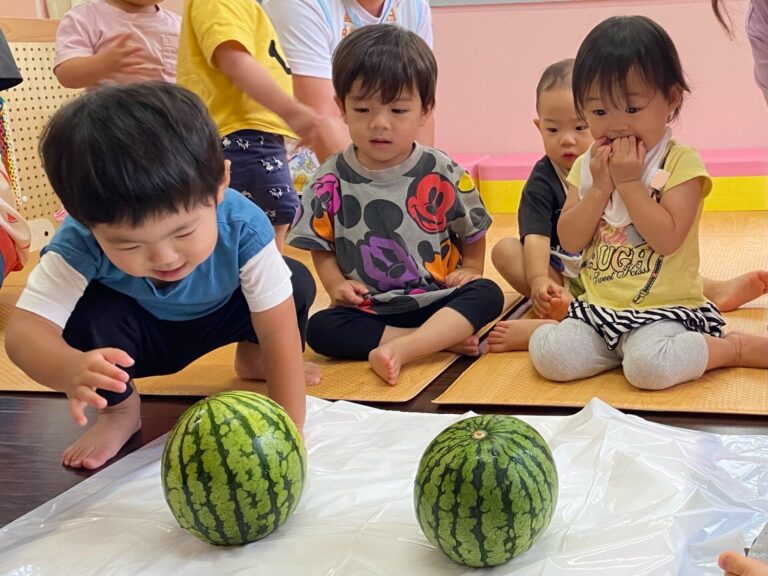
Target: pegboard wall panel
[[30, 105]]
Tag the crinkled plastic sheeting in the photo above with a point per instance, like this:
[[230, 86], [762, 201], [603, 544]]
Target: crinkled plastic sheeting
[[636, 498]]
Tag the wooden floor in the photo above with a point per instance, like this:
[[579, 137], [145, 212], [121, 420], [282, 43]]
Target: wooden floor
[[36, 427]]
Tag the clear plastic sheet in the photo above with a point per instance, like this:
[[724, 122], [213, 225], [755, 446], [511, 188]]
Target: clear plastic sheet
[[636, 498]]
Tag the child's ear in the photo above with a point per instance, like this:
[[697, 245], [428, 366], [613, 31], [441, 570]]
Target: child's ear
[[224, 183], [340, 106], [675, 98], [425, 115], [537, 123]]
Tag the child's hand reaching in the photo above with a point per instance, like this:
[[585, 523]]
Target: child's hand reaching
[[122, 55], [598, 166], [349, 293], [305, 122], [626, 160], [98, 368], [544, 293], [461, 276]]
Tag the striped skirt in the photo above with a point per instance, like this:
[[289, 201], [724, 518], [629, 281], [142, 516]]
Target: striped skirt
[[611, 324]]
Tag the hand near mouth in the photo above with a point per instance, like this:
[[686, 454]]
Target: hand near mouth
[[626, 159]]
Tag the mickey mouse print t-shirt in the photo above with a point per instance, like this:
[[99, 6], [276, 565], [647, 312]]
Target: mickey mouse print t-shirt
[[399, 231]]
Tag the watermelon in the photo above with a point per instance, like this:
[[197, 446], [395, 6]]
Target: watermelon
[[485, 490], [233, 468]]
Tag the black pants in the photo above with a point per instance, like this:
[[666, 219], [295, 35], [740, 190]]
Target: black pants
[[342, 332], [105, 318]]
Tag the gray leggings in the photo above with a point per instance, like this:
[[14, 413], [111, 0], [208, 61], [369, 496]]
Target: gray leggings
[[654, 356]]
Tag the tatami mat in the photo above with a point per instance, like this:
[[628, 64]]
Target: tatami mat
[[732, 243], [341, 380], [509, 378]]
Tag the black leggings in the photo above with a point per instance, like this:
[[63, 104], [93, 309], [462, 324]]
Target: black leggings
[[342, 332], [105, 318]]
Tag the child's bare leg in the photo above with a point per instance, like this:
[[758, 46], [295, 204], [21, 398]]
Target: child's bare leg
[[737, 349], [733, 564], [507, 258], [468, 347], [444, 329], [280, 231], [112, 429], [509, 335], [729, 294], [249, 365]]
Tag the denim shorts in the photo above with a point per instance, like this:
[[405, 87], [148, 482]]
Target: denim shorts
[[260, 172]]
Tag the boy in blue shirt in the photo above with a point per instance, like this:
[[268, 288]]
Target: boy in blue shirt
[[157, 264]]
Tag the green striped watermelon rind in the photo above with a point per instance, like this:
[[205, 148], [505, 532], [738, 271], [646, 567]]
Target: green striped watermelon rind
[[484, 501], [241, 484]]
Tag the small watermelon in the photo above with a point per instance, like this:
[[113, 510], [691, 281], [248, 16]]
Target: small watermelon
[[233, 468], [485, 490]]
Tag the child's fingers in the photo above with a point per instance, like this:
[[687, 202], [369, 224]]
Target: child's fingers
[[349, 295], [554, 291], [76, 409], [117, 356], [107, 372]]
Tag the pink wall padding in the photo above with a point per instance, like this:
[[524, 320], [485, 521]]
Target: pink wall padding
[[736, 162], [508, 166], [470, 163], [720, 163]]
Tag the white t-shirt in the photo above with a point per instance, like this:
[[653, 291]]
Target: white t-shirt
[[310, 30]]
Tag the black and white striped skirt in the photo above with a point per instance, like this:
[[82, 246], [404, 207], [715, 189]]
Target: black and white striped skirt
[[611, 324]]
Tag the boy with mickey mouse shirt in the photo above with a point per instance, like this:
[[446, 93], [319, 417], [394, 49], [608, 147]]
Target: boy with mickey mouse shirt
[[396, 229]]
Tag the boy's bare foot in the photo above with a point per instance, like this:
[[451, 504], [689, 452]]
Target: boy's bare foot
[[470, 347], [386, 363], [510, 335], [750, 349], [728, 295], [113, 427], [250, 366], [733, 564]]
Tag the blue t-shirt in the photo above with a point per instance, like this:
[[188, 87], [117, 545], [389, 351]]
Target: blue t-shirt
[[244, 230]]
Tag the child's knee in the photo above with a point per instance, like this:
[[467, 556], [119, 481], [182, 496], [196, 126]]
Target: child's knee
[[504, 251], [647, 375], [668, 363], [492, 295], [545, 349]]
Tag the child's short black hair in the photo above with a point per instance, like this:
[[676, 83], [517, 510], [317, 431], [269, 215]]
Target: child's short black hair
[[556, 75], [386, 59], [618, 45], [122, 154]]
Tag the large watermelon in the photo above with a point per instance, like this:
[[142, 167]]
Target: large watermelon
[[485, 489], [233, 468]]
